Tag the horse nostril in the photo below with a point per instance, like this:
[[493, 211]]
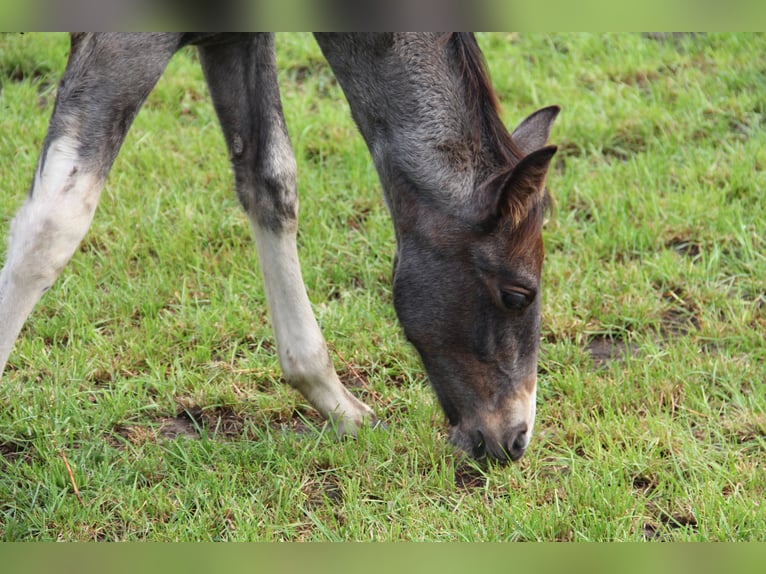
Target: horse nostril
[[517, 442], [479, 446]]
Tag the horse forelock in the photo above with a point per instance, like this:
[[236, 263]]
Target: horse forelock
[[523, 237]]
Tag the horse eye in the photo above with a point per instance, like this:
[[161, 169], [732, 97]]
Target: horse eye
[[516, 299]]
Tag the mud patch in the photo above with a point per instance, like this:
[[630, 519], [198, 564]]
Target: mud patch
[[326, 489], [220, 421], [190, 422], [178, 426], [682, 316], [644, 484], [748, 429], [324, 497], [10, 452], [468, 477], [604, 349], [169, 428], [684, 246], [677, 323], [299, 421], [662, 524]]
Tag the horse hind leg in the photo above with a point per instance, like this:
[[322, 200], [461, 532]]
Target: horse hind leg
[[106, 81], [243, 84]]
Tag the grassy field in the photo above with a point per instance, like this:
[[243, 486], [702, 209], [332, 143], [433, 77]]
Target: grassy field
[[150, 369]]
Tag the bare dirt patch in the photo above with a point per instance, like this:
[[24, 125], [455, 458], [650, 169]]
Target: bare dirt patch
[[469, 477], [190, 422], [662, 524], [681, 317], [326, 488], [676, 323], [222, 421], [644, 484], [299, 421], [178, 426], [683, 314], [684, 246], [10, 452], [604, 349]]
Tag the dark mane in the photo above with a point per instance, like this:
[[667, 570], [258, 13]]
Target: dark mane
[[481, 95]]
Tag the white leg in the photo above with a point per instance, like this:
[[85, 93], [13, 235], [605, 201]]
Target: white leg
[[301, 346], [44, 235]]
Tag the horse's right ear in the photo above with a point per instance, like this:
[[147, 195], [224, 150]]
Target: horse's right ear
[[524, 182], [532, 133]]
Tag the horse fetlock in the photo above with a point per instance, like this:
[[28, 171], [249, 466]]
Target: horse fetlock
[[331, 399]]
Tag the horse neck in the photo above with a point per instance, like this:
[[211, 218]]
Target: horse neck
[[408, 98]]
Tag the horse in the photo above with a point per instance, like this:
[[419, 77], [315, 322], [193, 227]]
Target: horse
[[467, 200]]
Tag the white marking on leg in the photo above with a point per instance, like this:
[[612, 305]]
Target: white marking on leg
[[300, 344], [44, 235]]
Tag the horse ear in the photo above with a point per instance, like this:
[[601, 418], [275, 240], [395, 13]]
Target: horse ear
[[532, 133], [525, 180]]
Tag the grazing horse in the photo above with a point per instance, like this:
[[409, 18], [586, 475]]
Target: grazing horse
[[466, 199]]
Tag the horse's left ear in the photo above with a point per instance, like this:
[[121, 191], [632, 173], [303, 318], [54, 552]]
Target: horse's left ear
[[526, 180], [533, 132]]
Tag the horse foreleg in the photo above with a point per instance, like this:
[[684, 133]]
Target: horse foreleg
[[243, 84], [106, 81]]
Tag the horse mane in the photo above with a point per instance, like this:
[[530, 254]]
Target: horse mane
[[482, 98]]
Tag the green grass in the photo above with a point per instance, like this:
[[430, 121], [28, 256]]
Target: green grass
[[150, 366]]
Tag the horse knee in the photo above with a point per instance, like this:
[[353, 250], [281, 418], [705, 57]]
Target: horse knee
[[266, 186]]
